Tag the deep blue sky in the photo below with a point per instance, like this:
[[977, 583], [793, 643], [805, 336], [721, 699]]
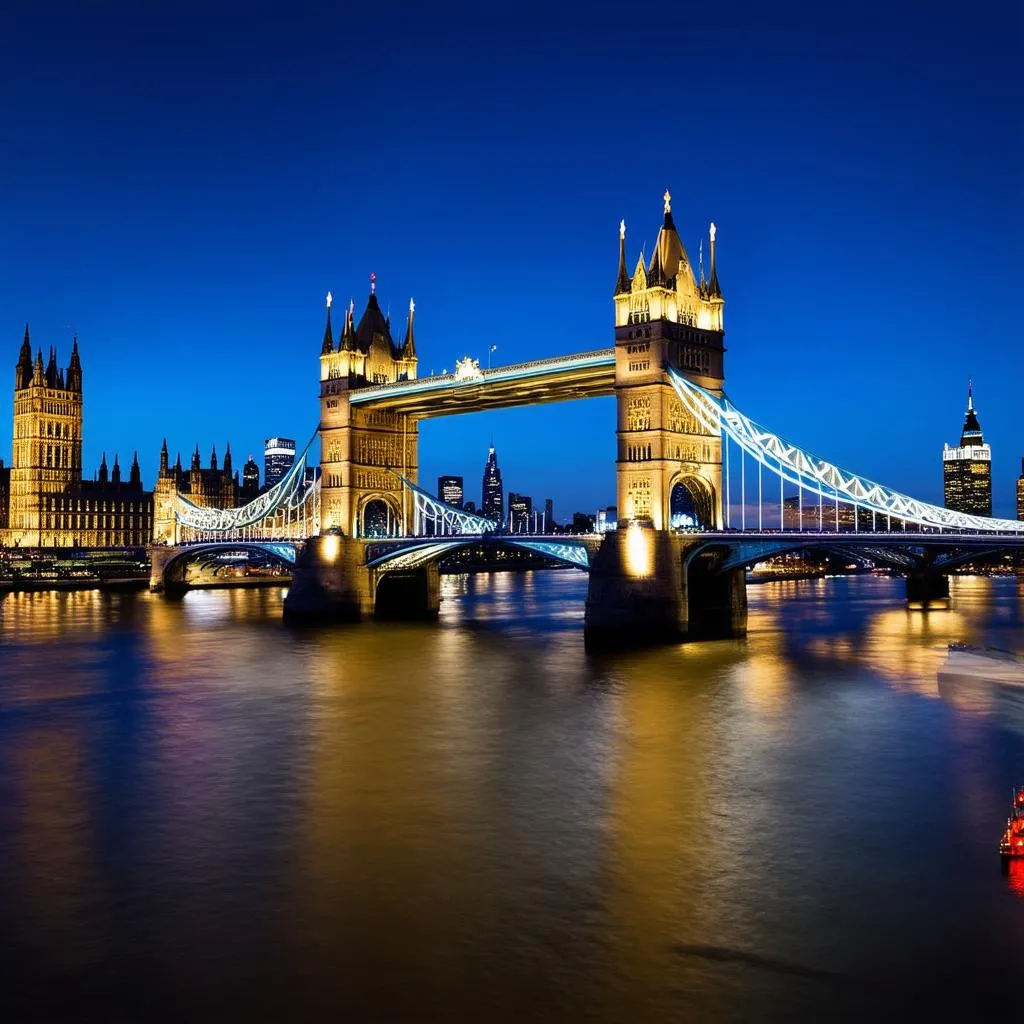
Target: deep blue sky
[[182, 188]]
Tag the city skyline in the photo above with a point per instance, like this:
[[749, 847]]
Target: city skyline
[[176, 243]]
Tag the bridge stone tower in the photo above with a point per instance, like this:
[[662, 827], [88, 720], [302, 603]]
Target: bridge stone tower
[[646, 583], [666, 317], [362, 450]]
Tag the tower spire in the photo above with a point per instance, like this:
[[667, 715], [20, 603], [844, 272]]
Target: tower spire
[[970, 394], [163, 458], [623, 282], [347, 342], [409, 345], [74, 379], [328, 345], [713, 286]]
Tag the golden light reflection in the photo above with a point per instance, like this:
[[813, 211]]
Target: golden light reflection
[[639, 551], [330, 548]]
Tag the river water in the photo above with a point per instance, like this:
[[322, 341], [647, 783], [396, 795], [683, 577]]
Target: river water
[[207, 816]]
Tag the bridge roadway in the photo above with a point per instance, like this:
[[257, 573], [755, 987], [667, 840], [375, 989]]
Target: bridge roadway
[[584, 375]]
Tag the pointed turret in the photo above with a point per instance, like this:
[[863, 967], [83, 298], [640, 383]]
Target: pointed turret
[[639, 281], [409, 345], [103, 469], [74, 380], [714, 289], [669, 254], [115, 475], [37, 370], [213, 457], [348, 334], [163, 458], [135, 474], [372, 321], [622, 283], [227, 460], [178, 471], [196, 466], [328, 345], [51, 369], [23, 369], [971, 435]]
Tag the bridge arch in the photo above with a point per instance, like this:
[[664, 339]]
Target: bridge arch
[[691, 502], [170, 569], [379, 515]]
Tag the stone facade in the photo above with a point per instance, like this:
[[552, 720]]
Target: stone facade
[[363, 450], [49, 503], [209, 487], [665, 316]]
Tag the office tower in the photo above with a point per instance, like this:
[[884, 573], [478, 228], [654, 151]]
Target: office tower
[[519, 508], [278, 456], [492, 505], [967, 470]]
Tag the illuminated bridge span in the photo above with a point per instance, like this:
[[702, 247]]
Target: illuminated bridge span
[[702, 490]]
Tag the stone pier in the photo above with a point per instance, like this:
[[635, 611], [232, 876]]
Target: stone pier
[[332, 583], [650, 587], [927, 590]]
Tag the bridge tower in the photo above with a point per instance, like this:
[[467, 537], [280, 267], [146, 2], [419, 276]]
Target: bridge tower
[[665, 316], [646, 584], [359, 448]]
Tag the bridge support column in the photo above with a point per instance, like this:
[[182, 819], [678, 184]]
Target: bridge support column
[[927, 590], [331, 582], [159, 556], [643, 593]]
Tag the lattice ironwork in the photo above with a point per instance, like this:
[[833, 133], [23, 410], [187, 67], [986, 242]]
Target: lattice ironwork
[[289, 509], [816, 475], [433, 517]]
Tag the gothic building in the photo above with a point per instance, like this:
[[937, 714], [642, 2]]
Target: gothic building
[[209, 487], [363, 451], [667, 317], [967, 469], [49, 503]]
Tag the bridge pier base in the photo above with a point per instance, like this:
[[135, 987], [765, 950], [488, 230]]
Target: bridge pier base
[[645, 591], [159, 556], [927, 590], [332, 583]]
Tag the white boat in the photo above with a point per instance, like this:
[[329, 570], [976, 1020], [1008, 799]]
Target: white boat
[[988, 663]]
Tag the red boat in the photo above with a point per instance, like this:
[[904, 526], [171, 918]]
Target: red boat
[[1012, 842]]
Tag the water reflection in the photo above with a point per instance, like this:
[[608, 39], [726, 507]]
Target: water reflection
[[199, 797]]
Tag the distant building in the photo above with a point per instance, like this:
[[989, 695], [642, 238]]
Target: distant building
[[250, 480], [5, 496], [449, 490], [470, 506], [278, 456], [582, 523], [1020, 492], [49, 504], [520, 508], [606, 519], [549, 515], [967, 470], [212, 487], [817, 516], [493, 504]]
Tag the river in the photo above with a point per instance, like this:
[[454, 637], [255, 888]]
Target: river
[[205, 815]]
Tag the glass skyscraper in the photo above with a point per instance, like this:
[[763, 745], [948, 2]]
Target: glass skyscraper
[[493, 504], [278, 456], [967, 470]]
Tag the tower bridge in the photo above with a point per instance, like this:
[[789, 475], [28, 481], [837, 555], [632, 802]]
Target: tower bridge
[[369, 538]]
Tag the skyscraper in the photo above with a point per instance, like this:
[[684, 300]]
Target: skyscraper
[[520, 506], [278, 456], [250, 479], [1020, 492], [493, 503], [549, 515], [449, 490], [967, 470]]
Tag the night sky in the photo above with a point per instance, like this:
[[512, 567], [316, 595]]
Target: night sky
[[181, 189]]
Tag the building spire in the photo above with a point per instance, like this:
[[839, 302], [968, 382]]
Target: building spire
[[213, 457], [409, 345], [328, 346], [163, 458], [970, 394], [195, 459], [622, 282], [115, 475], [135, 475], [23, 371], [713, 287], [74, 379], [347, 343]]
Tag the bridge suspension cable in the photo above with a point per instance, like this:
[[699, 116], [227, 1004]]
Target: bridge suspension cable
[[289, 509], [817, 476], [433, 517]]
